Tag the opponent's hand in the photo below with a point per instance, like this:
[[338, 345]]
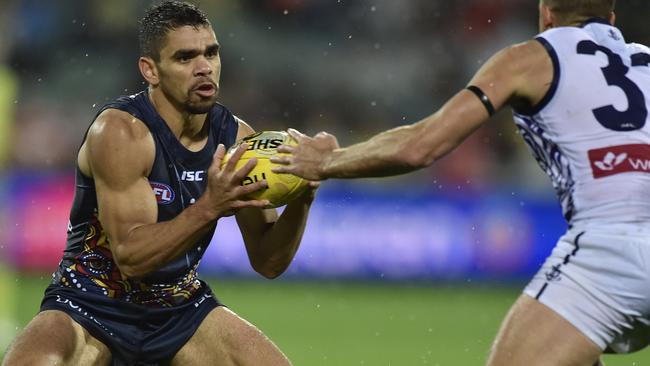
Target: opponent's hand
[[224, 192], [308, 158]]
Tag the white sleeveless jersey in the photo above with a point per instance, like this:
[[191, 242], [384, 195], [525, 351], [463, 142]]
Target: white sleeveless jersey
[[591, 132]]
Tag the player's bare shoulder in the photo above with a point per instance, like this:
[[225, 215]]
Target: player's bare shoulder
[[533, 67], [244, 129], [526, 54], [519, 75], [117, 139]]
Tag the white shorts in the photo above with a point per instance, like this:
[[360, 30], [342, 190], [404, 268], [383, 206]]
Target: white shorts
[[599, 280]]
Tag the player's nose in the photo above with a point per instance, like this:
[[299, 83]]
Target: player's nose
[[203, 67]]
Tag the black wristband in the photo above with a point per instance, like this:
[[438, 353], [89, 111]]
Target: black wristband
[[484, 98]]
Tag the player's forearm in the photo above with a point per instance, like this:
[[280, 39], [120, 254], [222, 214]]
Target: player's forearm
[[392, 152], [408, 148], [280, 242], [148, 248]]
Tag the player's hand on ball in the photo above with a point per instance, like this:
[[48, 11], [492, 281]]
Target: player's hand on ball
[[225, 191], [308, 157], [262, 147]]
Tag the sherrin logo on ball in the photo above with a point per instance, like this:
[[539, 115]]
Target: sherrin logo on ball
[[282, 188]]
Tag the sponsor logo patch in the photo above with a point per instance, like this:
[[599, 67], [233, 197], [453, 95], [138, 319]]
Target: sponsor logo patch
[[620, 159], [164, 193]]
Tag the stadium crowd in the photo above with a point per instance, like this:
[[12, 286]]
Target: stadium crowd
[[348, 67]]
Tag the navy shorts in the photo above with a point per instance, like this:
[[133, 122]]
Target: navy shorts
[[135, 334]]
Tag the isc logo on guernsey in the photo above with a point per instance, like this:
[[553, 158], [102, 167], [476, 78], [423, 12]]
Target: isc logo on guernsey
[[196, 176], [164, 193]]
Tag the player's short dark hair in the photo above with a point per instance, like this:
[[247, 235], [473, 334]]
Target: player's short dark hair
[[164, 17], [581, 9]]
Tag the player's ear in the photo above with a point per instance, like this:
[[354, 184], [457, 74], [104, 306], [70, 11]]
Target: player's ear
[[612, 18], [547, 18], [149, 70]]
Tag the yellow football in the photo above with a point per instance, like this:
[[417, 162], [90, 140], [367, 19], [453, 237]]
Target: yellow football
[[282, 188]]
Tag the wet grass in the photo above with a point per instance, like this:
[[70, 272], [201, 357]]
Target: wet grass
[[322, 323]]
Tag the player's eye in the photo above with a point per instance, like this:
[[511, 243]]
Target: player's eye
[[184, 57], [212, 52]]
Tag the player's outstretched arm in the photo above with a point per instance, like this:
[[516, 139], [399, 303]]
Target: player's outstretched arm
[[118, 154], [272, 241], [518, 75]]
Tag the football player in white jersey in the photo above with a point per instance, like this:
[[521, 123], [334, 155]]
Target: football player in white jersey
[[581, 97]]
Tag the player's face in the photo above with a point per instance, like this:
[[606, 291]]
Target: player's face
[[190, 68]]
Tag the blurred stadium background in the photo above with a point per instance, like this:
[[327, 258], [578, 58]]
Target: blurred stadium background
[[412, 270]]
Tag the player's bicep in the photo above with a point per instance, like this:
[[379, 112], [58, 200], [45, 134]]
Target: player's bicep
[[119, 154], [496, 79], [518, 74], [123, 207]]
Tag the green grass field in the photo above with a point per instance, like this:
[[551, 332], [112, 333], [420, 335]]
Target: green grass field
[[376, 324]]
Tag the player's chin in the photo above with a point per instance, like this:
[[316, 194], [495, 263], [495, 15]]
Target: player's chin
[[200, 105]]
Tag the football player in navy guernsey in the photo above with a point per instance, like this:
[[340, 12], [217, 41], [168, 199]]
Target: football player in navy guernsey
[[149, 192], [580, 96]]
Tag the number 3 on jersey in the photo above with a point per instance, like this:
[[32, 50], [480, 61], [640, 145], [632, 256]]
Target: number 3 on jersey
[[615, 74]]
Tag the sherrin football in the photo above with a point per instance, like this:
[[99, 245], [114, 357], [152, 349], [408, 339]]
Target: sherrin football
[[282, 188]]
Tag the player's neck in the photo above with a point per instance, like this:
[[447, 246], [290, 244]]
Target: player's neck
[[182, 123], [581, 21]]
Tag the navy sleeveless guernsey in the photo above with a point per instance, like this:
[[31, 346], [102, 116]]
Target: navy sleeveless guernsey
[[178, 178]]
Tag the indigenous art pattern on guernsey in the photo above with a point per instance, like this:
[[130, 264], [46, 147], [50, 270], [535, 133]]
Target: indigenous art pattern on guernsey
[[94, 270]]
